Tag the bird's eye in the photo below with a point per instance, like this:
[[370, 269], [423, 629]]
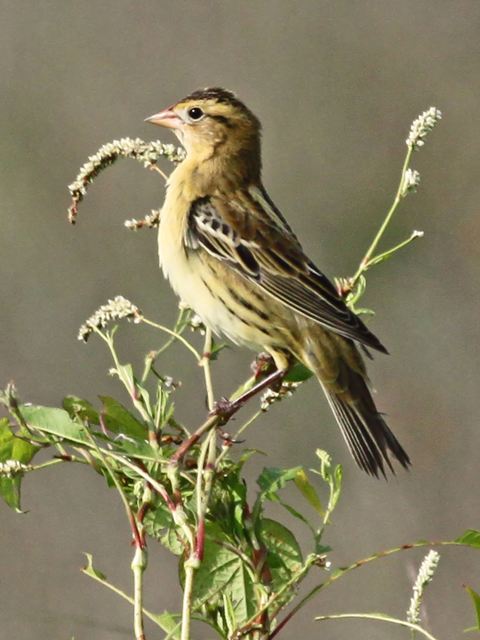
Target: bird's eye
[[195, 113]]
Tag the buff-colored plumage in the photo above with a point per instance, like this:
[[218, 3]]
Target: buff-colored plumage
[[230, 255]]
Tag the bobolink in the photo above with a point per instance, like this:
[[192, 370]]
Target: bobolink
[[231, 256]]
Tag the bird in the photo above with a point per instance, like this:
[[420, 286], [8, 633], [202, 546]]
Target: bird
[[230, 254]]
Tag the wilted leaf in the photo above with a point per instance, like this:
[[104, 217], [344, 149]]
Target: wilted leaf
[[308, 491]]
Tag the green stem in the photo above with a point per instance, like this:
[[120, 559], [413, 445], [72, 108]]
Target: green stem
[[139, 564], [178, 329], [381, 257], [176, 335], [187, 602], [378, 616], [50, 463], [207, 372], [364, 263]]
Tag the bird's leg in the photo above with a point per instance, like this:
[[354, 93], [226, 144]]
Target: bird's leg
[[222, 412], [225, 409]]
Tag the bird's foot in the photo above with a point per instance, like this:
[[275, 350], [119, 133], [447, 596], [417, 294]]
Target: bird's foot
[[263, 365], [224, 409]]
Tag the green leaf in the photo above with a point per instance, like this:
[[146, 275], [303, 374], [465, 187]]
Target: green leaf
[[13, 448], [77, 407], [470, 537], [172, 541], [223, 572], [91, 571], [308, 491], [296, 514], [217, 347], [476, 604], [157, 519], [135, 449], [298, 373], [273, 479], [54, 421], [284, 556], [119, 420], [229, 611], [169, 623], [333, 477]]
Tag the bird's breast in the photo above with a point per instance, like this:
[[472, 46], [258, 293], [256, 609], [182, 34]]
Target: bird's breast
[[227, 303]]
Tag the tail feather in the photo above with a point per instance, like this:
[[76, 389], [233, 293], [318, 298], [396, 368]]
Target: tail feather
[[368, 437], [340, 370]]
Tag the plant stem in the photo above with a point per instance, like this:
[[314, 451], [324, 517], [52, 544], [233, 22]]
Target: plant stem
[[187, 601], [139, 564], [379, 616], [381, 257], [365, 262], [207, 372], [175, 335]]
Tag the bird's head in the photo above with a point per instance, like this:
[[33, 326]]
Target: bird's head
[[213, 123]]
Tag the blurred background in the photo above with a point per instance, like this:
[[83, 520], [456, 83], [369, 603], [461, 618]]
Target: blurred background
[[336, 85]]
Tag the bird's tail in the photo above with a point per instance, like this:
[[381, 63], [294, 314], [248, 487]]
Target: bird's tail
[[340, 370]]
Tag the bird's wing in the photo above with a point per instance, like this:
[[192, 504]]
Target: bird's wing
[[247, 231]]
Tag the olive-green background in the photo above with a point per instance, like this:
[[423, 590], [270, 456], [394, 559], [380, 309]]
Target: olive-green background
[[336, 85]]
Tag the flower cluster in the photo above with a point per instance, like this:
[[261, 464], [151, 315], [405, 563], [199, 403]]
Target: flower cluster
[[150, 221], [411, 180], [148, 153], [424, 577], [11, 468], [115, 309], [270, 396], [421, 126]]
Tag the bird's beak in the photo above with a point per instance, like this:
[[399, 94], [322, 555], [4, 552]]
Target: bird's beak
[[167, 118]]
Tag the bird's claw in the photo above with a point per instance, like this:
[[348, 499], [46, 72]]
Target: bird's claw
[[229, 439]]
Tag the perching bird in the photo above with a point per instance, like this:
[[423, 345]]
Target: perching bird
[[231, 256]]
